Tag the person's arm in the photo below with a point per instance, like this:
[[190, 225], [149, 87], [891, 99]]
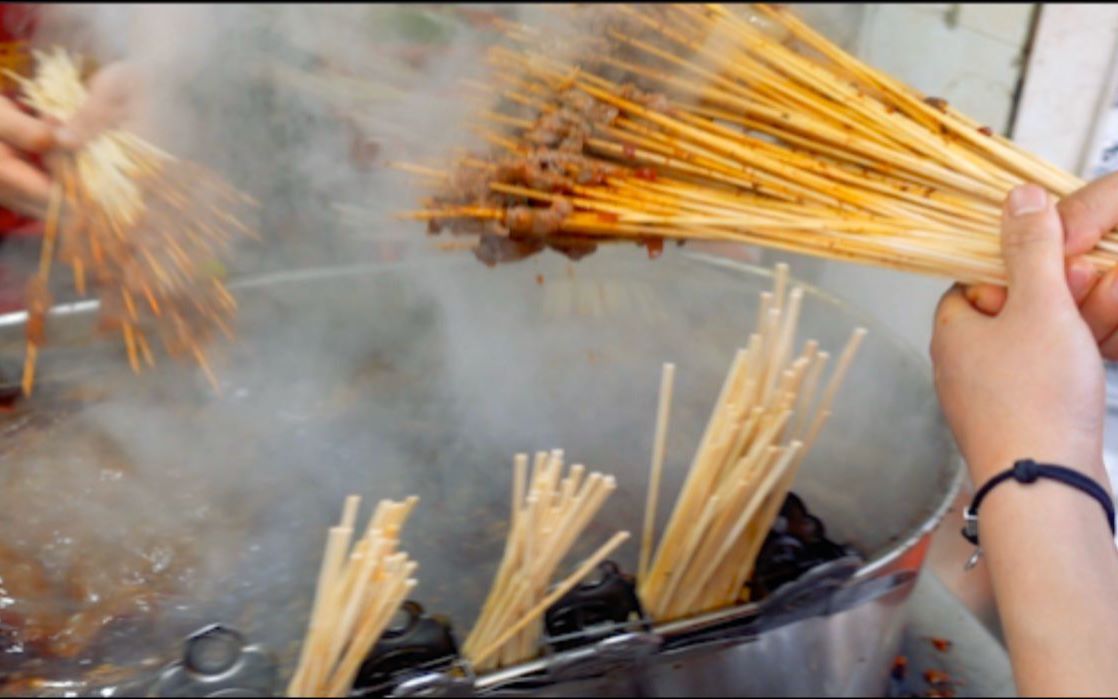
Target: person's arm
[[1028, 383], [1055, 578]]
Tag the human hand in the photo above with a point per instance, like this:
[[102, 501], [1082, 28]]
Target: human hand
[[24, 186], [1087, 215], [1027, 382], [114, 94]]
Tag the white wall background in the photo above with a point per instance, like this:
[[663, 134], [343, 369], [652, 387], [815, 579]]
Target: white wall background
[[1069, 87]]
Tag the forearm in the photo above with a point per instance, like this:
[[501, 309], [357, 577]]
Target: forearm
[[1054, 568]]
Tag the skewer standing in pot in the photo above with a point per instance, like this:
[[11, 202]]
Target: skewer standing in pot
[[358, 592], [764, 423], [548, 516]]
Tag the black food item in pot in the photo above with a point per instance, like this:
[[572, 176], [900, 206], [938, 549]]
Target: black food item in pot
[[796, 543], [593, 609], [414, 642]]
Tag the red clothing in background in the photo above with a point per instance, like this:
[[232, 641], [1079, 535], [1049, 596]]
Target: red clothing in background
[[17, 25], [18, 22]]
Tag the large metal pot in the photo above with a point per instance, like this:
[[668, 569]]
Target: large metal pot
[[425, 378]]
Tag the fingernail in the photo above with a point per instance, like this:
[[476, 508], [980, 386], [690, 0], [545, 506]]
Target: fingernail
[[1027, 199], [1081, 275]]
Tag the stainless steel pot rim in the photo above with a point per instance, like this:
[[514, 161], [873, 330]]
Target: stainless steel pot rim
[[1111, 386]]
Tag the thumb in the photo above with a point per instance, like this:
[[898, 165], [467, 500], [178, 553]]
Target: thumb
[[1033, 247], [112, 93]]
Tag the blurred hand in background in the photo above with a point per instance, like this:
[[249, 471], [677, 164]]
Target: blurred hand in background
[[27, 140]]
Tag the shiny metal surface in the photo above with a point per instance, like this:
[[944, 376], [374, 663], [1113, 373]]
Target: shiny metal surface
[[837, 641], [426, 378], [974, 659], [846, 654], [218, 661]]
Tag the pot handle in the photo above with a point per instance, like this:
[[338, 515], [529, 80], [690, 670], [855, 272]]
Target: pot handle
[[859, 593]]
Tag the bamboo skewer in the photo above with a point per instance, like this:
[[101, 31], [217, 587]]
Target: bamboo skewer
[[764, 422], [549, 513], [359, 589], [139, 224], [792, 145], [660, 439], [561, 589]]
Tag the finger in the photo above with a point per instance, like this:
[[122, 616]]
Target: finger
[[23, 187], [1033, 248], [952, 312], [1109, 347], [23, 131], [1100, 308], [987, 298], [953, 306], [1082, 278], [111, 95], [1089, 213]]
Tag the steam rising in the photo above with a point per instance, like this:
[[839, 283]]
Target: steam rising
[[425, 377]]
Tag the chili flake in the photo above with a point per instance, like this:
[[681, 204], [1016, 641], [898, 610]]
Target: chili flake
[[941, 644]]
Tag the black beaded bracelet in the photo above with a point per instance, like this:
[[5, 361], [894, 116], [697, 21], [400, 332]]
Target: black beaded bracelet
[[1028, 471]]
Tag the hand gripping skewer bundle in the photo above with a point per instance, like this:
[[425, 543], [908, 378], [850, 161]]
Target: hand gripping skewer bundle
[[145, 230], [731, 123]]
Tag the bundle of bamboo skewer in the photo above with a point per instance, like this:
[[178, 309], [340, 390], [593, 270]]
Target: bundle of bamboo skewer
[[548, 516], [763, 425], [146, 230], [358, 592], [726, 123], [771, 410]]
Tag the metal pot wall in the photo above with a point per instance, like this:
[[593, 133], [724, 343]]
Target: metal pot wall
[[425, 377]]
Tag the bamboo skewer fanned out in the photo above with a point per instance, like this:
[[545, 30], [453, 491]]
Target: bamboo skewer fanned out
[[358, 592], [549, 513], [726, 123], [769, 414], [146, 231]]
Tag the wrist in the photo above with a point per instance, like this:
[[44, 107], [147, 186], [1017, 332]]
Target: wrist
[[1086, 461], [1042, 515]]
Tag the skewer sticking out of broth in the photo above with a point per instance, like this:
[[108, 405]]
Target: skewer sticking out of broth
[[358, 592], [768, 416], [549, 513]]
